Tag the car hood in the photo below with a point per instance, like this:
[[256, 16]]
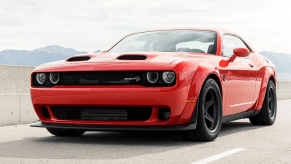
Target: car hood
[[122, 61]]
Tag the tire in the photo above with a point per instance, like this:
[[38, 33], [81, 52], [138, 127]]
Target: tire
[[209, 106], [267, 115], [66, 132]]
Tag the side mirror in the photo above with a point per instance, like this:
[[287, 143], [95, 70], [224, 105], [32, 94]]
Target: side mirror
[[239, 52]]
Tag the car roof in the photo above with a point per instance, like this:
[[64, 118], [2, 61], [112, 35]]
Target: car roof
[[218, 30]]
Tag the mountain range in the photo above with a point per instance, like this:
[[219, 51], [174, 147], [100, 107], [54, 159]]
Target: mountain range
[[53, 53], [38, 56], [283, 63]]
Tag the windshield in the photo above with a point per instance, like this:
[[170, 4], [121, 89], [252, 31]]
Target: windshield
[[169, 41]]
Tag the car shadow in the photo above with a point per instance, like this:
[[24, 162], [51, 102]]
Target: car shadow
[[145, 138], [237, 127]]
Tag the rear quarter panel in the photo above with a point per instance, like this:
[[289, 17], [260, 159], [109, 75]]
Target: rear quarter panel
[[265, 72]]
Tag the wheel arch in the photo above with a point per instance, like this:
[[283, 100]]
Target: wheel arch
[[217, 80], [206, 71], [268, 75], [273, 79]]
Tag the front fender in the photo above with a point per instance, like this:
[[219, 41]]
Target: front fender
[[202, 72], [268, 72]]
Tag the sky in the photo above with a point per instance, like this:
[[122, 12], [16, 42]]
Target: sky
[[88, 25]]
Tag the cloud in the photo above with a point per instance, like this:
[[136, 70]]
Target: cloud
[[89, 24]]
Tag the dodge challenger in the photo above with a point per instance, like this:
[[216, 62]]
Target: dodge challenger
[[184, 80]]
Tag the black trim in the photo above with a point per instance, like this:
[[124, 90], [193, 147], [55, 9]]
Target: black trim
[[102, 113], [45, 112], [195, 113], [184, 127], [116, 127], [79, 58], [239, 116], [132, 57]]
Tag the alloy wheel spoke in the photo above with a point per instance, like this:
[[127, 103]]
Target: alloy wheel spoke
[[270, 112], [270, 98], [209, 104], [208, 117]]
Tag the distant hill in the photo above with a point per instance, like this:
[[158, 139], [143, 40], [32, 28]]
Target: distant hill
[[283, 63], [38, 56], [60, 50], [97, 51]]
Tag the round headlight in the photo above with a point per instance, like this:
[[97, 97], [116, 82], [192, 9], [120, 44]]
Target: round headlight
[[168, 76], [54, 78], [152, 77], [40, 78]]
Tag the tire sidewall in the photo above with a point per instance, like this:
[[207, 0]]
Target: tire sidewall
[[202, 128], [265, 108]]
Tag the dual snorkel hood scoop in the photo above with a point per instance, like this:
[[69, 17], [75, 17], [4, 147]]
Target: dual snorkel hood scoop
[[122, 57]]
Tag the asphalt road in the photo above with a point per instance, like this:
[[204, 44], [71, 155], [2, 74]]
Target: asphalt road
[[238, 142]]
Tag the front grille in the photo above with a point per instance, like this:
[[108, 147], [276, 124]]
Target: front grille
[[102, 78], [103, 113]]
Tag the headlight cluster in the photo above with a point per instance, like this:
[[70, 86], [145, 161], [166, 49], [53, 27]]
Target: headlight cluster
[[143, 78], [167, 76], [152, 77], [41, 78]]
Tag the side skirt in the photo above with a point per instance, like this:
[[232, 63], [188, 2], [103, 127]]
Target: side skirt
[[239, 116]]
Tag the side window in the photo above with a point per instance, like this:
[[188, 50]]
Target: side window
[[194, 46], [231, 42]]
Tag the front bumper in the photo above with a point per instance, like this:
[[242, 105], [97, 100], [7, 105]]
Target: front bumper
[[174, 98]]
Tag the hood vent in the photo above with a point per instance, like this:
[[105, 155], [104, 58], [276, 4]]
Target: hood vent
[[132, 57], [79, 58]]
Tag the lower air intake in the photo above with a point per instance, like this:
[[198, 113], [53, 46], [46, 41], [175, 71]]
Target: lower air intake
[[103, 113], [45, 112], [164, 114]]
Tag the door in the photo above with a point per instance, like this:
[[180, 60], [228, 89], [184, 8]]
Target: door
[[241, 78]]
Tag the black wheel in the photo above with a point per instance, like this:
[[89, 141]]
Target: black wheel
[[267, 115], [209, 113], [66, 132]]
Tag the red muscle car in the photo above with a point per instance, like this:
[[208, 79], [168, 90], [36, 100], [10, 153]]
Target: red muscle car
[[186, 80]]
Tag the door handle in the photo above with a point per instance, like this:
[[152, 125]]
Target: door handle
[[251, 65]]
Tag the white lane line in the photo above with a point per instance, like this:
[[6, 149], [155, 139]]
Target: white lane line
[[218, 156]]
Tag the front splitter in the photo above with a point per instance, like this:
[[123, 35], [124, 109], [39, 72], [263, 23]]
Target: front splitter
[[183, 127]]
